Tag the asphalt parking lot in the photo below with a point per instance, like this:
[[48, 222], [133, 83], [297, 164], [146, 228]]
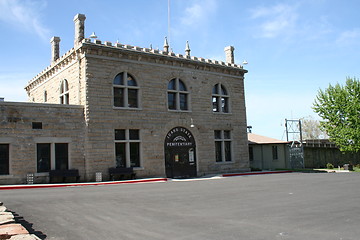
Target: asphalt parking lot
[[276, 206]]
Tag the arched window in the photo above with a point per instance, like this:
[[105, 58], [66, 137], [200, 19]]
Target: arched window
[[64, 92], [125, 91], [220, 99], [177, 95]]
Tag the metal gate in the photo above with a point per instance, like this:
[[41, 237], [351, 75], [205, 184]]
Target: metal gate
[[296, 152]]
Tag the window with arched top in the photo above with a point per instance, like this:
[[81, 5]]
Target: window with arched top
[[178, 96], [64, 92], [220, 99], [125, 91]]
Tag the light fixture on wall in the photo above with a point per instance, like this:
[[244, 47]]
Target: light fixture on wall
[[192, 123]]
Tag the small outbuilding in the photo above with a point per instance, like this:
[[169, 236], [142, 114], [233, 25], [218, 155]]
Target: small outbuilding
[[268, 153]]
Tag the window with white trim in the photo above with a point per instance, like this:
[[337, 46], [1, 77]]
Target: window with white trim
[[220, 99], [125, 91], [64, 92], [127, 147], [178, 96], [223, 145], [52, 156]]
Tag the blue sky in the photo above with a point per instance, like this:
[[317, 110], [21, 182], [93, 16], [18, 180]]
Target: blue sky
[[293, 48]]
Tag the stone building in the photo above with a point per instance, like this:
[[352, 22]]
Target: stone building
[[104, 104]]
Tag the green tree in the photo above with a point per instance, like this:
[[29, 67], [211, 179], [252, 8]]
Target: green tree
[[339, 107]]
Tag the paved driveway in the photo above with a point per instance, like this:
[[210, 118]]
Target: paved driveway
[[278, 206]]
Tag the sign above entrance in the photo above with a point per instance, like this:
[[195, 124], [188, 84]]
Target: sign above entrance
[[180, 153], [179, 137]]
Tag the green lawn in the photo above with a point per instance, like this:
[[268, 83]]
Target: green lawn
[[356, 169]]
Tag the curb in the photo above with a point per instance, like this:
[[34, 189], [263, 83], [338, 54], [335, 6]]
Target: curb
[[148, 180], [254, 173], [31, 186]]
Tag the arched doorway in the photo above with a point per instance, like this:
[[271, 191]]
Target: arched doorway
[[180, 153]]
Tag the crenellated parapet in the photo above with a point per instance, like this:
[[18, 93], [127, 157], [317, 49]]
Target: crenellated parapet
[[56, 66], [97, 48], [157, 52], [118, 50]]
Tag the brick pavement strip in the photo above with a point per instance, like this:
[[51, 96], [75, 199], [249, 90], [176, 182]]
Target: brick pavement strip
[[25, 237], [6, 218], [11, 230]]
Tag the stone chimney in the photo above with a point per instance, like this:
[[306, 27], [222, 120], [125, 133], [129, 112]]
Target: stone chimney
[[229, 52], [79, 21], [55, 48]]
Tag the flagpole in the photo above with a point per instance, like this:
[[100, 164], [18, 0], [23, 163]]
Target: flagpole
[[168, 37]]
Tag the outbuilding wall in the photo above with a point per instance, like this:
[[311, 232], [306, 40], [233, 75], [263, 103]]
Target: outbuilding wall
[[60, 124]]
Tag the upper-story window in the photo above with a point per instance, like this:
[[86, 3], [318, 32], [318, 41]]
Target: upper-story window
[[220, 99], [177, 95], [64, 92], [125, 91]]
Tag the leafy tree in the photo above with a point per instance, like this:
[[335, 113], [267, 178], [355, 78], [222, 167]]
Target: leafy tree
[[311, 129], [339, 107]]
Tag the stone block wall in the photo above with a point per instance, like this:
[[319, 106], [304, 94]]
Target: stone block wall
[[70, 68], [90, 70], [60, 124], [88, 127], [153, 117]]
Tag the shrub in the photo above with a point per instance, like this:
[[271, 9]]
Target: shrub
[[329, 166]]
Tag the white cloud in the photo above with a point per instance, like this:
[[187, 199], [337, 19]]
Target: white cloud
[[24, 15], [349, 37], [276, 20], [199, 12]]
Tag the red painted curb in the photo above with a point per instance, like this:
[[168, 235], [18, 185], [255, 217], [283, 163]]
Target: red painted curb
[[11, 187], [254, 173]]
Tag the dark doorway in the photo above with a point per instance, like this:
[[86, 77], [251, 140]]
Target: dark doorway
[[180, 153]]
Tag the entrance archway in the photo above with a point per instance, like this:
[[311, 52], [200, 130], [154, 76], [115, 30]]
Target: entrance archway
[[180, 153]]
